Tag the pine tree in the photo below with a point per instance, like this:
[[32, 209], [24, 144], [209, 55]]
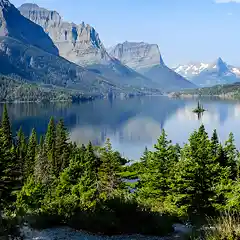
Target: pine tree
[[231, 155], [109, 180], [197, 175], [41, 142], [62, 150], [155, 181], [42, 167], [144, 159], [91, 161], [21, 150], [215, 143], [6, 133], [50, 145], [9, 169], [31, 155], [50, 135]]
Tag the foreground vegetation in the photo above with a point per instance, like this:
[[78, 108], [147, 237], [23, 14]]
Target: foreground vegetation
[[53, 181]]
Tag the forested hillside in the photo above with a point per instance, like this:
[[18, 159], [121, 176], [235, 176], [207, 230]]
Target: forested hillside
[[231, 91]]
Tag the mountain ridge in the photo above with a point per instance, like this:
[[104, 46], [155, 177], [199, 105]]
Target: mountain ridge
[[210, 74], [81, 44], [146, 59], [28, 53]]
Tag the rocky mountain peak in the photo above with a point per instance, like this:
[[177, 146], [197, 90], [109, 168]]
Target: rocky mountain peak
[[79, 43], [5, 3], [220, 65], [13, 24], [137, 54]]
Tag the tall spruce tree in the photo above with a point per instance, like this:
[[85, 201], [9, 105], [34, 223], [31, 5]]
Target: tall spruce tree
[[10, 170], [31, 155], [50, 145], [62, 150], [231, 155], [197, 176], [21, 150], [43, 167], [109, 180], [6, 132], [155, 180]]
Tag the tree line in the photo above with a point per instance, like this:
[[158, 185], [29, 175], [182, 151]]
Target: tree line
[[54, 181]]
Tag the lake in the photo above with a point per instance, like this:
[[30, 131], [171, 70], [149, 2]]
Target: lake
[[131, 124]]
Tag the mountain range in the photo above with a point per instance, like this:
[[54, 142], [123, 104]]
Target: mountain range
[[147, 60], [209, 74], [36, 45]]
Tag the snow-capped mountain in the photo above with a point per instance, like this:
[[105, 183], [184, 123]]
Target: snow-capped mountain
[[209, 74]]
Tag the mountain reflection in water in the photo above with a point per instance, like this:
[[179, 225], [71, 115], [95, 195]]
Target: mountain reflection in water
[[131, 124]]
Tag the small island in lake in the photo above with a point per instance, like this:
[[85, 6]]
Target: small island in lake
[[199, 109]]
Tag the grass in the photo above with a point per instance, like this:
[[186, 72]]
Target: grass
[[225, 227]]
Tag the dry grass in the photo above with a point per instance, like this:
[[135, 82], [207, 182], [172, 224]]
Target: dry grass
[[225, 227]]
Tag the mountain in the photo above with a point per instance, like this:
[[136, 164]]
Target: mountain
[[13, 25], [210, 74], [28, 53], [80, 44], [146, 59]]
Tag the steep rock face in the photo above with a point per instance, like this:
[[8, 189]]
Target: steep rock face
[[13, 25], [77, 43], [35, 65], [81, 45], [137, 55], [28, 53], [147, 60]]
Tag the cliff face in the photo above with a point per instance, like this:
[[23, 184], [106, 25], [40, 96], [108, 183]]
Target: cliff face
[[137, 55], [28, 53], [77, 43], [147, 60], [13, 25]]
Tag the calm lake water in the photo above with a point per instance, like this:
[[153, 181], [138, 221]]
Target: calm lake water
[[131, 124]]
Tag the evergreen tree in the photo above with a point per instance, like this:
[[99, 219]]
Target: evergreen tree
[[62, 151], [215, 143], [197, 176], [6, 133], [50, 145], [155, 181], [144, 159], [41, 142], [109, 180], [231, 155], [9, 169], [42, 167], [21, 150], [91, 161], [31, 154]]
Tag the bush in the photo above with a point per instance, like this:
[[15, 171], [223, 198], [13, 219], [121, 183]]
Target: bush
[[117, 216]]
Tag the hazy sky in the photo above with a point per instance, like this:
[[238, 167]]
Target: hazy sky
[[185, 30]]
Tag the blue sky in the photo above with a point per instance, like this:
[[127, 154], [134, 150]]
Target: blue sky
[[185, 30]]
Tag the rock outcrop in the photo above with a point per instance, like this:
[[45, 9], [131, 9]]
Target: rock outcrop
[[13, 25], [147, 60], [28, 53], [77, 43], [80, 44], [137, 55]]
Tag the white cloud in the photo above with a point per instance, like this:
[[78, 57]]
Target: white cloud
[[227, 1]]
